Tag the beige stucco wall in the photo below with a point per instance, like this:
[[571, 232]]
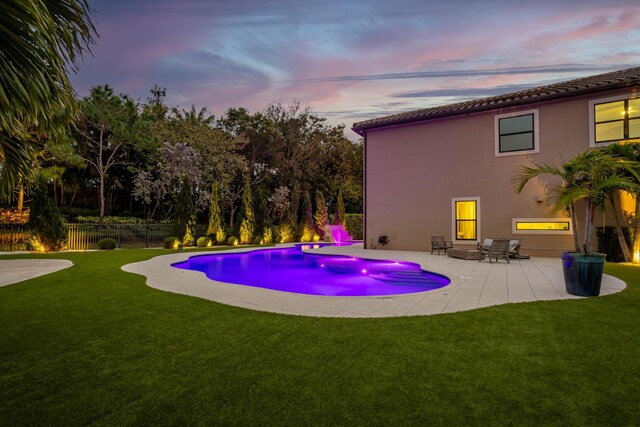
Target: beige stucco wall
[[414, 171]]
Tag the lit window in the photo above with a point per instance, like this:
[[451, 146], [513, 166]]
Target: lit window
[[541, 226], [616, 120], [466, 220], [627, 203], [516, 133]]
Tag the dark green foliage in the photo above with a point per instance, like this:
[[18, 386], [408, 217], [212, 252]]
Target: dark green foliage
[[258, 240], [215, 229], [339, 218], [45, 222], [354, 225], [232, 241], [171, 242], [608, 242], [106, 244], [185, 214], [204, 242], [248, 223]]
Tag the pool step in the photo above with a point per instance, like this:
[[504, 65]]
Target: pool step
[[403, 277]]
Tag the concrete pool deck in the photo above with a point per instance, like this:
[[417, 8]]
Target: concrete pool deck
[[473, 285], [18, 270]]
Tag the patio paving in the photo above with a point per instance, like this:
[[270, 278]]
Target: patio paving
[[473, 285]]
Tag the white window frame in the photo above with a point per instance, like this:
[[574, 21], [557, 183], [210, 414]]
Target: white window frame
[[592, 117], [536, 133], [514, 230], [454, 235]]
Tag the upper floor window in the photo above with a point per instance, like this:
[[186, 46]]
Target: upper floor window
[[516, 133], [616, 120]]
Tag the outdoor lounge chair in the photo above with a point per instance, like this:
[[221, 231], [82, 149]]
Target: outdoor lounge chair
[[438, 243], [514, 248], [495, 248]]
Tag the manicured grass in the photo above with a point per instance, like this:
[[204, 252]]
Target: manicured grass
[[94, 345]]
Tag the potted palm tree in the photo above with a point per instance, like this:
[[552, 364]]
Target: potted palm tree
[[589, 178]]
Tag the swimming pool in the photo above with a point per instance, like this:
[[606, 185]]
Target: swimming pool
[[292, 270]]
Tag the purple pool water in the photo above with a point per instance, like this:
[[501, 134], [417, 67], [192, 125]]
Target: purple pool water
[[291, 270]]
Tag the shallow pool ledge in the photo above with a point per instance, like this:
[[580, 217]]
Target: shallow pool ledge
[[473, 285]]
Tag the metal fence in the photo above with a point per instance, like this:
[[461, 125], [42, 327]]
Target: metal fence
[[82, 237], [13, 237]]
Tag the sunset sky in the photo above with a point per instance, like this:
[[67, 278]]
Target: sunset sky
[[352, 60]]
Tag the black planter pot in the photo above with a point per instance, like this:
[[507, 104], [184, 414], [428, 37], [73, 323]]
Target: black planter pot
[[583, 273]]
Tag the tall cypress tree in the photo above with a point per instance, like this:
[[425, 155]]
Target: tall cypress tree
[[340, 218], [216, 228], [45, 222], [322, 213], [267, 225], [308, 226], [247, 226], [185, 214]]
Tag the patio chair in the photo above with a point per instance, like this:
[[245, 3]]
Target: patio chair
[[497, 248], [438, 243], [514, 248]]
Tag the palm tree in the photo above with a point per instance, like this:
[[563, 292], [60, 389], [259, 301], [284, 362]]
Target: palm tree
[[629, 151], [39, 41], [590, 177]]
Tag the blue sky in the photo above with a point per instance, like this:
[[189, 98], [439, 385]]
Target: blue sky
[[352, 60]]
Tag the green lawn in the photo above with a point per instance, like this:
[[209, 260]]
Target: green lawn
[[94, 345]]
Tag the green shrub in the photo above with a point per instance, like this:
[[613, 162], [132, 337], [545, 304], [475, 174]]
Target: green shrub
[[204, 242], [354, 225], [171, 243], [286, 232], [267, 233], [106, 244], [232, 241], [258, 240]]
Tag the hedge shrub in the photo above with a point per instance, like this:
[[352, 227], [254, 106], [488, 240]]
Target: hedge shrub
[[171, 243], [204, 242], [107, 244], [354, 225], [232, 241]]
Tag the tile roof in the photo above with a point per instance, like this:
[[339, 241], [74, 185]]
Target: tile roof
[[583, 85]]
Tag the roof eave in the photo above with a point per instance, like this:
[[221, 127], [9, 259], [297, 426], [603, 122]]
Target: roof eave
[[361, 130]]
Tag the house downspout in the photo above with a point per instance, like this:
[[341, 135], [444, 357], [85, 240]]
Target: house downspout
[[364, 192]]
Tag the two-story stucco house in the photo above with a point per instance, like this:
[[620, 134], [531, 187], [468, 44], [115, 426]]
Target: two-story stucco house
[[448, 170]]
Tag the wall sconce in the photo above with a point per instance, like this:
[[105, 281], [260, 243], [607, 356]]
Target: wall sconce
[[383, 240], [538, 199]]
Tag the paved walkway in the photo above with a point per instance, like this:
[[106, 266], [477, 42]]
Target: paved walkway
[[473, 285], [18, 270]]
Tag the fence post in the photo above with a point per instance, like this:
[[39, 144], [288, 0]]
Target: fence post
[[146, 236], [11, 238]]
